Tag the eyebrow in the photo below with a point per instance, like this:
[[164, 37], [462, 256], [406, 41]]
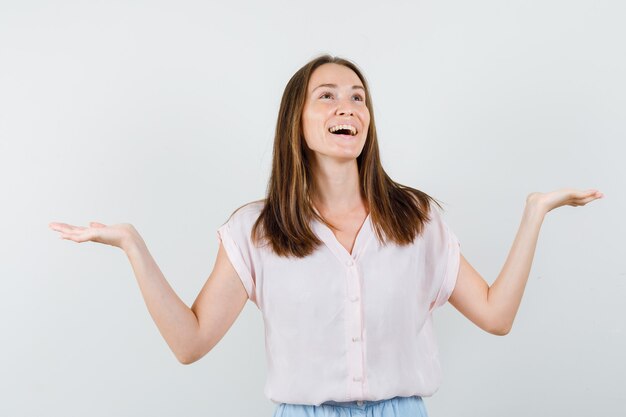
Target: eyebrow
[[354, 87]]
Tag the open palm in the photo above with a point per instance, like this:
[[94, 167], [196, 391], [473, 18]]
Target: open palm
[[565, 196], [114, 235]]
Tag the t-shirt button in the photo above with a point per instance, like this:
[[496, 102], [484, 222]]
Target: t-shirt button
[[350, 262]]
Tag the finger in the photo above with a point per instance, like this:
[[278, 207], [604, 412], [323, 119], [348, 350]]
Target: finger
[[65, 228], [595, 192], [578, 194], [58, 226], [96, 224], [80, 236], [67, 236], [74, 230], [583, 201], [582, 196], [62, 229]]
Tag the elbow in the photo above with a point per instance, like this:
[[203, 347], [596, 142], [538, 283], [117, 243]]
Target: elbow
[[500, 329], [186, 359], [191, 357], [501, 332]]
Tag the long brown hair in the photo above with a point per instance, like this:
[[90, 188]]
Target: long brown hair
[[397, 212]]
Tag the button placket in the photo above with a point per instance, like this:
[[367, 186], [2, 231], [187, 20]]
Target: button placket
[[354, 329], [353, 308]]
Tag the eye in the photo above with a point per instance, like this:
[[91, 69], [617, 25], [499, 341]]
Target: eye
[[328, 94]]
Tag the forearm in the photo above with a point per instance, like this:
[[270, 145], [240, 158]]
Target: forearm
[[176, 322], [505, 294]]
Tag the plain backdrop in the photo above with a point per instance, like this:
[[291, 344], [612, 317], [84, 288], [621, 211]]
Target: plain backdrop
[[162, 114]]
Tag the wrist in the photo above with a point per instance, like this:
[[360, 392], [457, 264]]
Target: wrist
[[534, 206], [132, 240]]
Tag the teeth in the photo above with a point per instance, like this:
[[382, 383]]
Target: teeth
[[339, 127]]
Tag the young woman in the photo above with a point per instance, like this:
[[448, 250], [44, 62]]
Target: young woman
[[346, 265]]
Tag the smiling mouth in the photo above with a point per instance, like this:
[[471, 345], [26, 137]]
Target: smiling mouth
[[343, 130]]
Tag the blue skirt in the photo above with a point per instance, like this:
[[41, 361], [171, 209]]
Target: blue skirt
[[392, 407]]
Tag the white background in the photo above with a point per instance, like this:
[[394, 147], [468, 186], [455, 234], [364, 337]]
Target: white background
[[162, 114]]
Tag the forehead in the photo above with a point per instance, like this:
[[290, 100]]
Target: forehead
[[333, 74]]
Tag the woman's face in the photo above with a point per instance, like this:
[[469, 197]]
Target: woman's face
[[335, 98]]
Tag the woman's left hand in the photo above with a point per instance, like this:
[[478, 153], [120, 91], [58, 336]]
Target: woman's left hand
[[565, 196]]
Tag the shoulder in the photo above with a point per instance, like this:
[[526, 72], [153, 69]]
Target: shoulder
[[435, 225], [246, 215], [435, 214]]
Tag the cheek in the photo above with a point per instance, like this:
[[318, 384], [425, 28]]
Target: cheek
[[313, 123], [307, 124], [366, 119], [310, 130]]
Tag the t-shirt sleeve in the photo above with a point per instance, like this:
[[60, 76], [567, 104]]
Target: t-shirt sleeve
[[443, 259], [235, 236]]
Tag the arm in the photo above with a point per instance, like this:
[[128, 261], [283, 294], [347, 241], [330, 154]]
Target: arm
[[493, 309], [189, 332]]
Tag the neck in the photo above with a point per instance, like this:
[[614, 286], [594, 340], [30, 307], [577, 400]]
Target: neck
[[337, 188]]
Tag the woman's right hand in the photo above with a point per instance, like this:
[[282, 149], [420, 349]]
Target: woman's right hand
[[119, 235]]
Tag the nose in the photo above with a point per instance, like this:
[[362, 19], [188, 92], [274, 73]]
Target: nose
[[344, 109]]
